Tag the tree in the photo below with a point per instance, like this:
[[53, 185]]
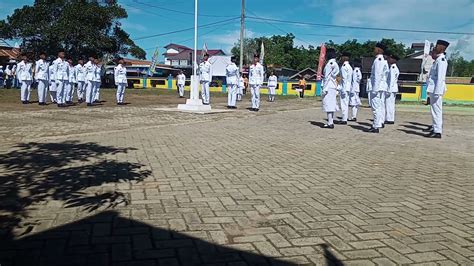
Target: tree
[[459, 67], [80, 27]]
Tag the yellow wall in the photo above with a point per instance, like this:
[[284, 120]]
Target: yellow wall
[[412, 97], [459, 93]]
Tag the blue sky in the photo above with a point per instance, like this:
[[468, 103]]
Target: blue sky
[[149, 17]]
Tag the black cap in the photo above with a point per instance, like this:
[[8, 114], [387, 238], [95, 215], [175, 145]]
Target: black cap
[[394, 56], [357, 63], [381, 46], [256, 55], [233, 58], [443, 43], [346, 54], [42, 53], [330, 53], [206, 54]]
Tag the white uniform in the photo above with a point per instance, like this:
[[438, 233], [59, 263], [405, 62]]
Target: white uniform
[[70, 83], [80, 72], [378, 78], [89, 68], [240, 88], [272, 84], [98, 81], [436, 89], [391, 93], [346, 83], [181, 82], [62, 78], [256, 73], [205, 77], [52, 83], [120, 77], [24, 74], [42, 77], [329, 89], [232, 78], [354, 99]]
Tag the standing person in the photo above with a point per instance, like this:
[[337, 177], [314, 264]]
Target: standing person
[[71, 82], [331, 70], [80, 72], [98, 80], [181, 80], [354, 99], [272, 84], [437, 88], [52, 82], [246, 84], [232, 78], [24, 73], [8, 77], [14, 77], [301, 86], [205, 78], [240, 88], [42, 77], [120, 77], [378, 78], [2, 75], [62, 78], [346, 84], [89, 69], [256, 73], [392, 90]]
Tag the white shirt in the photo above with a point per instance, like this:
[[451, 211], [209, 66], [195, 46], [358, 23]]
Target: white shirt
[[241, 82], [272, 81], [52, 74], [331, 70], [256, 73], [356, 78], [80, 72], [72, 73], [24, 71], [120, 74], [232, 74], [41, 70], [61, 69], [181, 79], [393, 78], [90, 71], [379, 74], [346, 74], [98, 70], [437, 78], [205, 71]]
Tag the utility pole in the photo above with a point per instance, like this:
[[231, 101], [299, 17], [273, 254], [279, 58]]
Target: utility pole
[[242, 30]]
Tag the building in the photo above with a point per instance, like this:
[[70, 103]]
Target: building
[[8, 54], [180, 56]]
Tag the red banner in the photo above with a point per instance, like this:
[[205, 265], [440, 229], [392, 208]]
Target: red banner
[[322, 59]]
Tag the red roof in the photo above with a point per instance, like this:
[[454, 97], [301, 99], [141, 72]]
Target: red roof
[[184, 55], [9, 52], [180, 47]]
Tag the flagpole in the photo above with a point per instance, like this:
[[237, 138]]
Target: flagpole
[[194, 88]]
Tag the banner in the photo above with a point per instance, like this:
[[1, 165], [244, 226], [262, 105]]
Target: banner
[[262, 53], [154, 61], [322, 59]]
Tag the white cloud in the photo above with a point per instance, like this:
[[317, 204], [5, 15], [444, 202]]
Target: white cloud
[[127, 25], [228, 38], [463, 45]]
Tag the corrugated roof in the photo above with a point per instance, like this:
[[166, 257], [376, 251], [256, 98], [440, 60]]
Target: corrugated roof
[[9, 52]]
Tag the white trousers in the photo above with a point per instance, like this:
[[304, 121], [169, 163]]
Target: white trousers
[[81, 87], [90, 91], [382, 110], [61, 91], [53, 91], [390, 106], [69, 91], [97, 91], [205, 92], [25, 90], [181, 90], [42, 90], [231, 94], [377, 108], [355, 109], [344, 102], [255, 90], [272, 90], [121, 92], [330, 118], [369, 97], [436, 102]]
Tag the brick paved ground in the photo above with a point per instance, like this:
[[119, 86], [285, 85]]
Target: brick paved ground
[[137, 186]]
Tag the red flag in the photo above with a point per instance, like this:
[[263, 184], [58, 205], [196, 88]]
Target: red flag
[[322, 59]]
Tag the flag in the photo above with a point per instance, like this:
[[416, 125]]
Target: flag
[[154, 62], [426, 54], [322, 59], [262, 53], [427, 49], [204, 50]]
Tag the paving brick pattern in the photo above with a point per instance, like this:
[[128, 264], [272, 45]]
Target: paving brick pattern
[[160, 188]]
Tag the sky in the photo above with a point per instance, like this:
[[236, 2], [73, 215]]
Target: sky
[[153, 17]]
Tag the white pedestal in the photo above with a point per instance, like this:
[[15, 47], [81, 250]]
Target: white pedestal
[[194, 104]]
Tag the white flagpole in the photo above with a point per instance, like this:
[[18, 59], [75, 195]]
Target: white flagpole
[[195, 85]]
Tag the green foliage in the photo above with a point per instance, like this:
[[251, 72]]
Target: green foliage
[[80, 28], [459, 67]]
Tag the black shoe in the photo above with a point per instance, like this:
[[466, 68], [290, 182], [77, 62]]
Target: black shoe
[[434, 135], [342, 123], [206, 103], [329, 126], [24, 102], [89, 104], [374, 130], [429, 129], [390, 122], [352, 120], [256, 109]]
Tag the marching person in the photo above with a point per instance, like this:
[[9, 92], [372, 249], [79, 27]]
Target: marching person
[[331, 70], [62, 78], [41, 76], [24, 75], [256, 73], [205, 78], [346, 84], [80, 72], [378, 78], [354, 99], [97, 80], [8, 77], [120, 78], [181, 80], [52, 83], [392, 90], [272, 84], [437, 88], [71, 82], [240, 88], [232, 78], [89, 69]]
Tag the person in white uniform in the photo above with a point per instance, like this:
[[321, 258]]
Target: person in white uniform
[[52, 83], [240, 88], [89, 69], [42, 78], [181, 80], [329, 87], [354, 99], [24, 75], [62, 78], [232, 78], [120, 78], [378, 79], [437, 88], [392, 90], [205, 78], [256, 73], [71, 82], [272, 84], [98, 80], [80, 73], [346, 83]]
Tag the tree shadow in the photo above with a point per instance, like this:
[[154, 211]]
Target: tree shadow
[[109, 239], [33, 173], [317, 123]]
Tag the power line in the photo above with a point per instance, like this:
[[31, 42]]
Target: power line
[[358, 27], [178, 11]]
